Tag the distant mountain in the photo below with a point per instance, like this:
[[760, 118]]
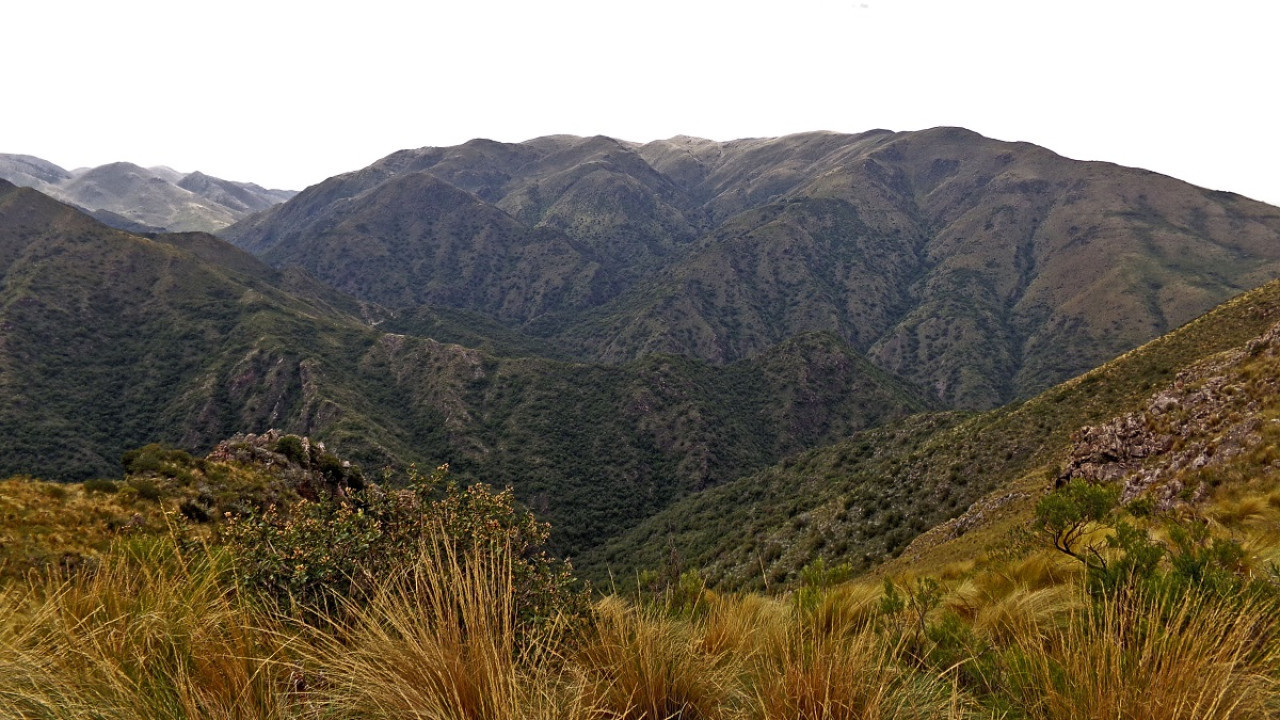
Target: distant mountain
[[30, 171], [981, 270], [109, 341], [139, 199]]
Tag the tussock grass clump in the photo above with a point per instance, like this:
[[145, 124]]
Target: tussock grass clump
[[736, 625], [1153, 657], [808, 673], [441, 641], [148, 634], [846, 609], [640, 663], [1030, 614]]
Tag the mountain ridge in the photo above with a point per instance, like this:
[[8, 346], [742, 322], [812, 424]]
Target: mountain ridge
[[1043, 266]]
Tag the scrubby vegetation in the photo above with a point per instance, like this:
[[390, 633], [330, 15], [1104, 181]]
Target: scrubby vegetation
[[318, 598], [867, 499], [164, 628]]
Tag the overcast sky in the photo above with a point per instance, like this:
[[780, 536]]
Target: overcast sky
[[287, 93]]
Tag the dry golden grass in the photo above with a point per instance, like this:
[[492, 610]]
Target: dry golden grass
[[735, 625], [1027, 614], [846, 609], [144, 636], [808, 673], [442, 643], [1153, 658], [153, 635], [640, 663]]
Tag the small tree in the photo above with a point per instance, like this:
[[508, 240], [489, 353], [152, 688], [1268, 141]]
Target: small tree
[[1126, 553], [1068, 514]]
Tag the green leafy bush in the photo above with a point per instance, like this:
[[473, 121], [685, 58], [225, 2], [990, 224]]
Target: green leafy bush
[[1083, 521], [159, 460], [290, 446], [316, 555], [147, 488]]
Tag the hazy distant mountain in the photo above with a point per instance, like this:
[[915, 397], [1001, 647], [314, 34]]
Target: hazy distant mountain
[[982, 270], [141, 199], [29, 171]]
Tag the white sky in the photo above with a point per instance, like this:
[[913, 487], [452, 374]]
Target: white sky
[[287, 93]]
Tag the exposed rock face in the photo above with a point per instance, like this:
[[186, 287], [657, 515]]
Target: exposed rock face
[[1208, 416], [1107, 453]]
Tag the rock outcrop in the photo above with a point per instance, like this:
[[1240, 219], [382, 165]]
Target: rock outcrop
[[1211, 414]]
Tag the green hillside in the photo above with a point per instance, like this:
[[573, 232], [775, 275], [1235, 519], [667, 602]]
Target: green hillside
[[864, 500], [112, 341]]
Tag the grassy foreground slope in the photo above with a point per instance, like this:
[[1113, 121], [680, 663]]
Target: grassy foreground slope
[[864, 500], [181, 630]]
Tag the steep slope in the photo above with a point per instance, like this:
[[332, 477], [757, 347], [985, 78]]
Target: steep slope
[[595, 449], [974, 477], [416, 240], [109, 341], [138, 199], [983, 270], [113, 340]]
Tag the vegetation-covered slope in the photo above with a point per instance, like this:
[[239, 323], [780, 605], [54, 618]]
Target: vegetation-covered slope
[[111, 341], [864, 500]]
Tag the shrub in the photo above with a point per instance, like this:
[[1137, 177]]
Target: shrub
[[291, 447], [317, 554], [101, 485], [1080, 521], [156, 458], [146, 488]]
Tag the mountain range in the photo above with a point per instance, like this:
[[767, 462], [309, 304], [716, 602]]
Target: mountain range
[[981, 271], [138, 199], [747, 353]]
